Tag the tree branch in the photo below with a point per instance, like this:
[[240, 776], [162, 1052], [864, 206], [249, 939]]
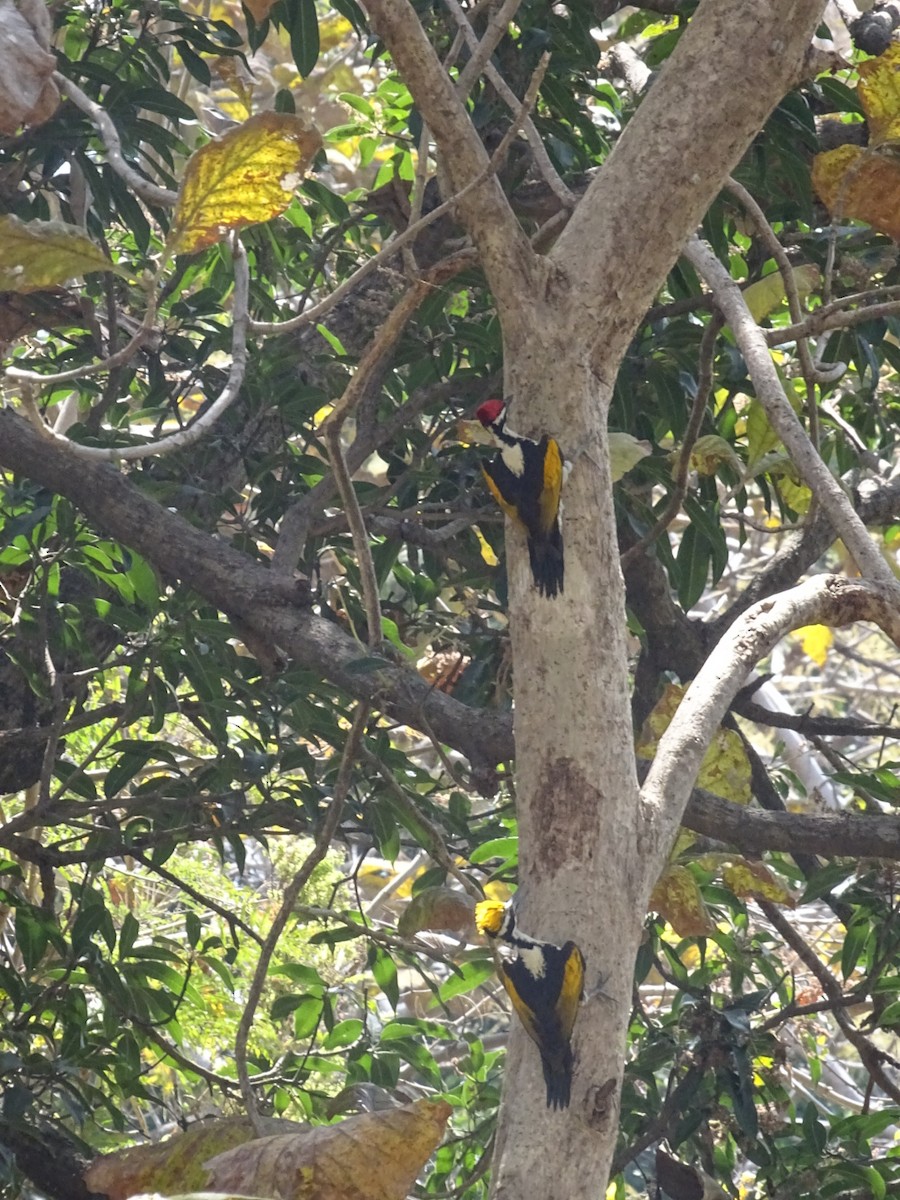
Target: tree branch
[[826, 600], [272, 605], [785, 422], [201, 426], [288, 900], [727, 52], [507, 256]]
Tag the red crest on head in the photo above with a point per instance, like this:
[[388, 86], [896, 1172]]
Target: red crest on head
[[488, 412]]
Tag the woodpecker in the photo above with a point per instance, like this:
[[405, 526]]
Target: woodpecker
[[525, 478], [545, 984]]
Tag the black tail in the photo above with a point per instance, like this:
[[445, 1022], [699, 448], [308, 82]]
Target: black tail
[[547, 563], [558, 1076]]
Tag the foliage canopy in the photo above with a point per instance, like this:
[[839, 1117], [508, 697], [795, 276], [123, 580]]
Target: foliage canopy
[[215, 686]]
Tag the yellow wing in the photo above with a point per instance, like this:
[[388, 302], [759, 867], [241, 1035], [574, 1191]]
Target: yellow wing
[[523, 1012], [495, 492], [571, 991], [553, 474]]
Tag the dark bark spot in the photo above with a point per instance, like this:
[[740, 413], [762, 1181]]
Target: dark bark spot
[[568, 808]]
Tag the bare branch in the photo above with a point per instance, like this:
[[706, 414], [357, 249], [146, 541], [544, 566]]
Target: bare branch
[[138, 184], [832, 835], [371, 365], [872, 1058], [482, 50], [120, 357], [826, 600], [770, 393], [698, 412], [289, 899], [199, 428], [508, 96]]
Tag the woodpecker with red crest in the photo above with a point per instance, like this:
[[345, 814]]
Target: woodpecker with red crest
[[525, 478], [545, 983]]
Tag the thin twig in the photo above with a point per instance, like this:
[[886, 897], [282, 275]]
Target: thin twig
[[872, 1058], [389, 251], [143, 187], [833, 316], [207, 902], [199, 428], [812, 374], [521, 116], [289, 898], [370, 365], [698, 411], [493, 35], [435, 843], [507, 95], [107, 364]]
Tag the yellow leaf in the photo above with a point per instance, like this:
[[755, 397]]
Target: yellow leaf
[[793, 492], [710, 452], [879, 94], [175, 1164], [816, 641], [754, 881], [761, 437], [767, 293], [42, 254], [373, 1156], [625, 451], [725, 769], [245, 177], [487, 552], [864, 184], [677, 898]]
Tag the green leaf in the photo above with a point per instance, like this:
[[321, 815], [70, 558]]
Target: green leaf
[[466, 978], [304, 28], [384, 969], [345, 1033]]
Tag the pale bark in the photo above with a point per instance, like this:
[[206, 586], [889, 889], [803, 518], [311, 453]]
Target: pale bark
[[824, 599], [730, 68], [587, 861]]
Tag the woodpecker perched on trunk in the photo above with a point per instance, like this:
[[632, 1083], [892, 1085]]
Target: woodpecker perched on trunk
[[545, 984], [525, 478]]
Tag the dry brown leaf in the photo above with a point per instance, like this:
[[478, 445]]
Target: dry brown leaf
[[243, 178], [375, 1156], [28, 95], [176, 1164], [865, 183], [860, 183], [437, 908]]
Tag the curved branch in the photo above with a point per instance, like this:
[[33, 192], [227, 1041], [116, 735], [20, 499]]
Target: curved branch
[[142, 187], [199, 428], [770, 393], [826, 600]]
